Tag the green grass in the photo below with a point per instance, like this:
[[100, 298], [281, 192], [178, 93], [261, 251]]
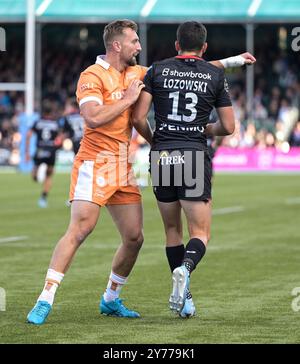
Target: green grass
[[242, 288]]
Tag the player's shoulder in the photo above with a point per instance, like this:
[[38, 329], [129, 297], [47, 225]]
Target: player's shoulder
[[138, 70], [212, 68], [164, 62], [95, 70]]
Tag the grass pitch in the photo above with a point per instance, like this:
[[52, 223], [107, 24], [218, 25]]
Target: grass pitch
[[242, 288]]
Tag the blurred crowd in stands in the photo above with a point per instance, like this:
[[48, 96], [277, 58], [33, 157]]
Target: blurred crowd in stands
[[275, 123], [276, 105]]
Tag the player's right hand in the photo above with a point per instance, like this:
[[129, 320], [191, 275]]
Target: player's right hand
[[133, 91], [249, 58]]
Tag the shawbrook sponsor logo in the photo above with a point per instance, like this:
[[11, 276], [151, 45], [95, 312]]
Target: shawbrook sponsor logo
[[187, 74]]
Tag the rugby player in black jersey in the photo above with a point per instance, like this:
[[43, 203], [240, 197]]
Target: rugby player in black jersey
[[184, 90], [49, 139], [73, 124]]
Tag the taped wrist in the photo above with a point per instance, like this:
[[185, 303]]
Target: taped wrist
[[236, 61]]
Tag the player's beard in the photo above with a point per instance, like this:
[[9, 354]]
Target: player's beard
[[132, 61]]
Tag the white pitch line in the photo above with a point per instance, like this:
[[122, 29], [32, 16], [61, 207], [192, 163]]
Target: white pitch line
[[228, 210], [13, 238], [293, 201]]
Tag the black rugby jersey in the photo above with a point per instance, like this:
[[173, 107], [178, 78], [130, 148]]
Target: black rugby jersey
[[46, 131], [73, 124], [184, 89]]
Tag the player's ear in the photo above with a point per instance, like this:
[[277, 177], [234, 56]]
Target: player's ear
[[204, 48], [177, 47], [116, 46]]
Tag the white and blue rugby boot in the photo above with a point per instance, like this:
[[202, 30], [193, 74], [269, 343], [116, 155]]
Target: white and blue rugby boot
[[181, 282], [188, 309]]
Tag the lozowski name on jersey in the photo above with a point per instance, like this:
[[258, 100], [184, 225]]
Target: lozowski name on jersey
[[189, 85], [187, 74]]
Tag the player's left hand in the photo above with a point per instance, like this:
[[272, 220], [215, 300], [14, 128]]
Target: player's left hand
[[249, 58]]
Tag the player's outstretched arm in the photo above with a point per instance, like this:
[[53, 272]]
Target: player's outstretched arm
[[235, 61], [139, 116]]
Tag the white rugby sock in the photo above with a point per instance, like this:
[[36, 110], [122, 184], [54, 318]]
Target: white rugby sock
[[114, 286], [52, 281]]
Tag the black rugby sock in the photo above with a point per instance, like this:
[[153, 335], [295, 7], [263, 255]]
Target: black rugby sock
[[175, 256], [194, 252]]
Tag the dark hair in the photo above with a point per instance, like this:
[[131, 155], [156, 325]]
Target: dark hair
[[191, 35], [116, 28], [50, 108], [47, 106]]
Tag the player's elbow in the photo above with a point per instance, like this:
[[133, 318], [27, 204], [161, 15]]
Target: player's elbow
[[137, 120], [228, 126], [229, 129], [92, 122]]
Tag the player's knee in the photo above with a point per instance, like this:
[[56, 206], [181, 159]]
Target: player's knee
[[49, 172], [173, 227], [83, 232], [135, 240], [80, 232]]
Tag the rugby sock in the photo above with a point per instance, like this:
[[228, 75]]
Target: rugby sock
[[175, 256], [44, 195], [114, 286], [52, 281], [194, 252]]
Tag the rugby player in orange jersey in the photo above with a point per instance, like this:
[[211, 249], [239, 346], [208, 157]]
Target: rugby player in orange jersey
[[101, 174]]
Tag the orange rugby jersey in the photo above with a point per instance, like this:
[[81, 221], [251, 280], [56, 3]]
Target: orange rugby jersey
[[104, 84]]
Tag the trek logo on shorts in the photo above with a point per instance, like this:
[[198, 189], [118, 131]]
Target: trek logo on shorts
[[167, 159], [178, 169]]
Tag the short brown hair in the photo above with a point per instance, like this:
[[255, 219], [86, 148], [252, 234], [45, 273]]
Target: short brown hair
[[116, 28], [191, 36]]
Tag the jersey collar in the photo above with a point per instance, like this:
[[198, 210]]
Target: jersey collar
[[185, 56], [102, 63]]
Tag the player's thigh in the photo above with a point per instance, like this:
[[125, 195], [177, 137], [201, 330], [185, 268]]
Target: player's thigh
[[198, 215], [171, 216], [170, 213], [84, 217], [129, 220]]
